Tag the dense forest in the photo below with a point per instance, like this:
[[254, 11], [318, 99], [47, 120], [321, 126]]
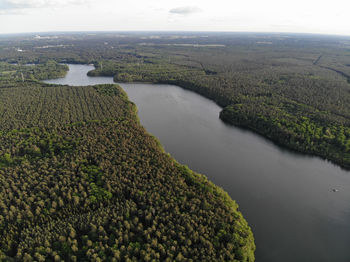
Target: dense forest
[[291, 88], [81, 180], [297, 96]]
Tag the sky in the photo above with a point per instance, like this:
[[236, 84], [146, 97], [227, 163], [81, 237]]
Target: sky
[[301, 16]]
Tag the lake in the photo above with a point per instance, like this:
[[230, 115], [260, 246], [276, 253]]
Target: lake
[[287, 198]]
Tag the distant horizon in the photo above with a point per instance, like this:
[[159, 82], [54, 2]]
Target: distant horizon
[[170, 31]]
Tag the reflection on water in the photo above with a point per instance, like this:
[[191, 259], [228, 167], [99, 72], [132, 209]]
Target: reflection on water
[[287, 198]]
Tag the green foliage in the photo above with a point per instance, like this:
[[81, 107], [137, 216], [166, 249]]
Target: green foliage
[[48, 70], [84, 162], [276, 86], [145, 72], [95, 177], [308, 134], [111, 90], [36, 104], [6, 160], [84, 181]]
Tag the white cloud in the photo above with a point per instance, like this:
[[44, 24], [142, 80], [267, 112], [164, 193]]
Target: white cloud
[[24, 4], [11, 12], [185, 10]]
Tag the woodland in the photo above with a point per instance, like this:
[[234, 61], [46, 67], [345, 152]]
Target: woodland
[[82, 180]]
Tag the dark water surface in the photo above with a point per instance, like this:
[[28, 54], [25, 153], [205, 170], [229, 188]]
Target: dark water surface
[[287, 198]]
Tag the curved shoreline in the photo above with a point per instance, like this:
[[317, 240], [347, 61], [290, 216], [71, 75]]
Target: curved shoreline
[[223, 105], [246, 165], [247, 246]]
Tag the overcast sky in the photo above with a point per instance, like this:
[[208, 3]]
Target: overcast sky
[[307, 16]]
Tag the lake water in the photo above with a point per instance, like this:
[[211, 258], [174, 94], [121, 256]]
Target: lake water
[[287, 198]]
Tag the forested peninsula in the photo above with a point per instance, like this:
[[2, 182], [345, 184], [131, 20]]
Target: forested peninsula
[[82, 180]]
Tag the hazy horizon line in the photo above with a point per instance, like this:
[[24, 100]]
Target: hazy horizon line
[[171, 31]]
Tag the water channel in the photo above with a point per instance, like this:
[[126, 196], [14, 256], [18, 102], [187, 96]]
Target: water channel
[[287, 198]]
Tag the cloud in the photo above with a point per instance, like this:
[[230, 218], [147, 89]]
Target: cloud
[[11, 12], [185, 10], [5, 5], [25, 4]]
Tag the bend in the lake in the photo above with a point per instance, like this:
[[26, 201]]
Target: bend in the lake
[[288, 199]]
